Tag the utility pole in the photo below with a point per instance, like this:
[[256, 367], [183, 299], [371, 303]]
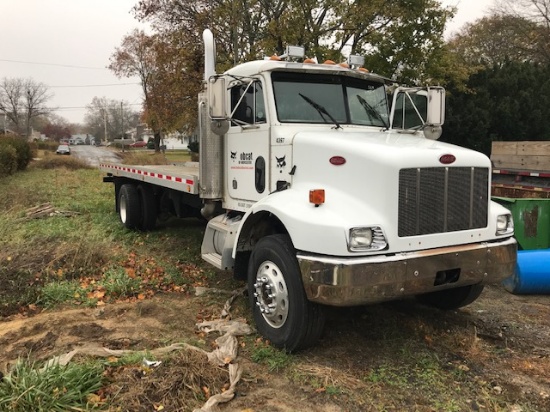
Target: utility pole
[[122, 125], [105, 124], [122, 119]]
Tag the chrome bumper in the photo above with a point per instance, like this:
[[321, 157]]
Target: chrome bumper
[[356, 281]]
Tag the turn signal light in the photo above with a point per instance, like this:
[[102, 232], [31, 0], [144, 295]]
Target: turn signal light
[[317, 196]]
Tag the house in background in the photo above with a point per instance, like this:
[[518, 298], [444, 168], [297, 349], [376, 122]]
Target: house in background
[[82, 138]]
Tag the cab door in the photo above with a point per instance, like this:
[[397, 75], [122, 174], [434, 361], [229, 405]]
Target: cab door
[[247, 149]]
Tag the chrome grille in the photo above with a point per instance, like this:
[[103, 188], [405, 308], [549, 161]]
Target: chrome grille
[[442, 199]]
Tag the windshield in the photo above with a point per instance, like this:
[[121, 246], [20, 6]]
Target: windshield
[[319, 98]]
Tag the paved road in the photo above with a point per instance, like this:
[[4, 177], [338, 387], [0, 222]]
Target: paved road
[[94, 155]]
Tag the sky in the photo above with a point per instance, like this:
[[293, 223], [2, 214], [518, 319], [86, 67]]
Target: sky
[[467, 12], [66, 44]]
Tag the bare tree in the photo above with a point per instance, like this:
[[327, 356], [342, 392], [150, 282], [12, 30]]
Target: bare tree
[[107, 118], [36, 96], [136, 57], [11, 94], [536, 11], [22, 100]]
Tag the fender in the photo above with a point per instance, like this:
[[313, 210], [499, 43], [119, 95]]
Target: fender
[[321, 230]]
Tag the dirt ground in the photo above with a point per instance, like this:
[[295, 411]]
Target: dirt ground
[[493, 355]]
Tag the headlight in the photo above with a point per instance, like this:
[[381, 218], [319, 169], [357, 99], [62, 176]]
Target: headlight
[[366, 239], [505, 225]]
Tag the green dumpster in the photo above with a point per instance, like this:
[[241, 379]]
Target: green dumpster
[[531, 221]]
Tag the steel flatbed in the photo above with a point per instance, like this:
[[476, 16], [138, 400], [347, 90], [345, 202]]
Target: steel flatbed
[[184, 178]]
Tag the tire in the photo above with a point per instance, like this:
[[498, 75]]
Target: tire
[[149, 213], [450, 299], [129, 206], [282, 313]]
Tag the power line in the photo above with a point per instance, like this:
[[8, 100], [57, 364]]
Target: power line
[[95, 85], [54, 64], [83, 107]]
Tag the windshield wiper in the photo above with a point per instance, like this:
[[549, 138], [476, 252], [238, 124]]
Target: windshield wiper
[[321, 110], [371, 111]]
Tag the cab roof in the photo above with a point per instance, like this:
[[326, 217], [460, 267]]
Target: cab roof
[[256, 67]]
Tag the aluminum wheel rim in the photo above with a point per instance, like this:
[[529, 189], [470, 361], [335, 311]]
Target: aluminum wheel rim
[[271, 294], [122, 208]]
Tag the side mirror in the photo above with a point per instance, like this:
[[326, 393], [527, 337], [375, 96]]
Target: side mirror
[[418, 108], [216, 105], [217, 98], [436, 106]]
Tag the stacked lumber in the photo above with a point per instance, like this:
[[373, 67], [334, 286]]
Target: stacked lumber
[[531, 155]]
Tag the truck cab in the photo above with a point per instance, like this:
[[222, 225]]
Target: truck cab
[[337, 193]]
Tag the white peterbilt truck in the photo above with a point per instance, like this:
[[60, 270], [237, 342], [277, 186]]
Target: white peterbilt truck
[[318, 191]]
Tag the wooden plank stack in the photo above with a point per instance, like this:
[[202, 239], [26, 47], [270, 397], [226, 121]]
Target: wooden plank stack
[[527, 155]]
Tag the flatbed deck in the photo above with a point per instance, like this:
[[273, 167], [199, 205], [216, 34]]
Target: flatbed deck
[[184, 178]]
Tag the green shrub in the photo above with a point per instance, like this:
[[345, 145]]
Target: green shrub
[[193, 146], [47, 145], [8, 160], [22, 148], [55, 161]]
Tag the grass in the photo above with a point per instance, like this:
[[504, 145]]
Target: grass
[[86, 258], [178, 156], [30, 387], [59, 258], [275, 359], [148, 157]]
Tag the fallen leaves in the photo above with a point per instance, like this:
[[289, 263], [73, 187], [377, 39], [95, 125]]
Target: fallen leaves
[[144, 278]]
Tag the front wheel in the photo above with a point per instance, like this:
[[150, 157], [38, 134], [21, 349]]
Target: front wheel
[[450, 299], [282, 313]]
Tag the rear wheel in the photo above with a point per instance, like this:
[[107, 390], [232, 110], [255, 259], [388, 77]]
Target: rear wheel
[[282, 313], [148, 219], [449, 299], [129, 206]]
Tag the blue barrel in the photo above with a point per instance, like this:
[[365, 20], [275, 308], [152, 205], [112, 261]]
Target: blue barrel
[[532, 273]]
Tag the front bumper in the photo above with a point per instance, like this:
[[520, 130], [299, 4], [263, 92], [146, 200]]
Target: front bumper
[[356, 281]]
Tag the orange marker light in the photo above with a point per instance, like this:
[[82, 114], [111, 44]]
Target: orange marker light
[[317, 196]]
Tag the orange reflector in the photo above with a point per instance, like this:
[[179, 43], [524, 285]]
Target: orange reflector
[[275, 57], [329, 62], [317, 196]]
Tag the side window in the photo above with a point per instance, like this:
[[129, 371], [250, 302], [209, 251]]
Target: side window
[[247, 104], [259, 110]]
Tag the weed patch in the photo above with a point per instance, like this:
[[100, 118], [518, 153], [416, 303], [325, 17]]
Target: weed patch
[[53, 161], [182, 382], [27, 387], [275, 359]]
